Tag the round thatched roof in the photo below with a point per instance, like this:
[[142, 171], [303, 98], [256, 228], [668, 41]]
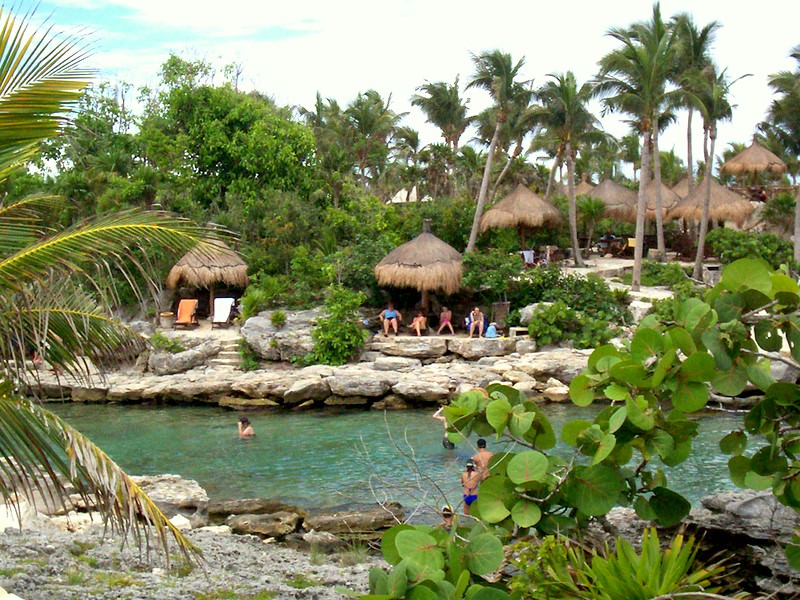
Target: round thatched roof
[[521, 208], [668, 199], [426, 263], [620, 201], [583, 188], [754, 159], [209, 263], [725, 205], [682, 187]]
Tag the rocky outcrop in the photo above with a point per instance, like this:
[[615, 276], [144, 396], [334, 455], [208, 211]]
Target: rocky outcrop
[[292, 340], [278, 524], [526, 312], [475, 348], [166, 363], [175, 495], [412, 347], [356, 521]]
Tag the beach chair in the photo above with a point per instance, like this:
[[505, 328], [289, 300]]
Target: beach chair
[[186, 313], [499, 317], [223, 308]]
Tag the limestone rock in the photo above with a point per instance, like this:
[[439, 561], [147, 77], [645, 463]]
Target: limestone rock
[[346, 401], [276, 524], [145, 328], [221, 509], [526, 345], [293, 340], [421, 389], [559, 393], [355, 383], [165, 363], [313, 388], [476, 348], [239, 402], [181, 523], [639, 309], [390, 402], [414, 347], [85, 394], [175, 495], [562, 363], [396, 363], [367, 520], [526, 312]]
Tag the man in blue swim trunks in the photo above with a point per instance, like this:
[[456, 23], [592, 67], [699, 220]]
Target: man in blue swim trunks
[[470, 480], [390, 317]]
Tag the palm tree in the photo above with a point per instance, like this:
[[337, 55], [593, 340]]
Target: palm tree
[[784, 115], [631, 151], [692, 50], [445, 108], [710, 97], [495, 72], [636, 76], [50, 290], [567, 121]]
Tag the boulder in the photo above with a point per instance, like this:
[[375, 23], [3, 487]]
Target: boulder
[[476, 348], [358, 383], [354, 521], [166, 363], [238, 402], [526, 345], [526, 312], [414, 347], [276, 524], [320, 541], [346, 401], [421, 389], [292, 340], [390, 402], [175, 495], [221, 509], [86, 394], [639, 309], [396, 363], [562, 363], [145, 328], [556, 393], [312, 388]]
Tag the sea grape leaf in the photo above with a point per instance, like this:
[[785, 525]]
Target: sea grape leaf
[[606, 447], [639, 415], [767, 461], [662, 367], [526, 513], [527, 466], [690, 396], [793, 551], [422, 592], [679, 453], [503, 391], [670, 507], [378, 582], [784, 393], [682, 340], [498, 412], [492, 497], [484, 554], [417, 547], [629, 371], [615, 391], [760, 375], [482, 592], [662, 442], [747, 273], [731, 382], [572, 429], [643, 509], [713, 343], [733, 443], [520, 421], [603, 358], [697, 367], [541, 432], [768, 336], [594, 490], [739, 466], [581, 390], [617, 419], [645, 344], [388, 546], [397, 582]]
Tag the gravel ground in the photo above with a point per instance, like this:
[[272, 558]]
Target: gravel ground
[[53, 564]]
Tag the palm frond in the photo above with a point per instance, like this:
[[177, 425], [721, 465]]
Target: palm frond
[[47, 452]]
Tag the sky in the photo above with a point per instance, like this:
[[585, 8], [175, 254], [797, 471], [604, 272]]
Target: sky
[[291, 50]]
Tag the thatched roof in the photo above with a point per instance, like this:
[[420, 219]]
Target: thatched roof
[[725, 205], [583, 188], [209, 263], [754, 159], [424, 263], [682, 187], [620, 201], [668, 199], [521, 208]]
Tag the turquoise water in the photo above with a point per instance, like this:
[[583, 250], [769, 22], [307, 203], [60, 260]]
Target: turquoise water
[[325, 458]]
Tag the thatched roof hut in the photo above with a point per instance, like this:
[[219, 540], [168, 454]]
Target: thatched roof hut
[[521, 209], [583, 188], [620, 201], [426, 263], [668, 200], [682, 187], [209, 263], [754, 159], [725, 205]]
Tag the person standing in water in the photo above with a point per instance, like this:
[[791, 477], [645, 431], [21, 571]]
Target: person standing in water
[[445, 440], [470, 480], [482, 458], [245, 429]]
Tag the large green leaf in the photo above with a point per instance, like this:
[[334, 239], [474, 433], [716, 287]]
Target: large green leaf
[[492, 497], [733, 443], [418, 547], [697, 367], [484, 554], [581, 390], [768, 336], [378, 582], [681, 340], [639, 414], [646, 343], [629, 371], [388, 547], [527, 466], [520, 421], [784, 394], [482, 592], [594, 490], [397, 582], [541, 432], [526, 513], [793, 551], [498, 412], [617, 419], [731, 382], [603, 358], [572, 429], [669, 507], [690, 396], [747, 273]]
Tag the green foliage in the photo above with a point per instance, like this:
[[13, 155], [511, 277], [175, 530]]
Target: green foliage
[[778, 212], [263, 293], [491, 273], [300, 581], [162, 342], [278, 318], [250, 359], [339, 336], [669, 274], [559, 568], [731, 245], [557, 322]]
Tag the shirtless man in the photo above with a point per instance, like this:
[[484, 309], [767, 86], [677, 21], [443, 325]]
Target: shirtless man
[[482, 458], [245, 429], [470, 480], [446, 443]]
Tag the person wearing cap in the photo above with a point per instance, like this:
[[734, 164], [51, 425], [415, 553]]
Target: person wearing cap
[[447, 518], [482, 458], [470, 480], [245, 429]]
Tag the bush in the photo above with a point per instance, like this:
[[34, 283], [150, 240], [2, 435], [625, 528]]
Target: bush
[[730, 245], [558, 323], [162, 342], [250, 359], [667, 274], [339, 336], [263, 293], [278, 318]]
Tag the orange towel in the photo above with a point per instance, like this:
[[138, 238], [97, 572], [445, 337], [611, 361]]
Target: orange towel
[[186, 310]]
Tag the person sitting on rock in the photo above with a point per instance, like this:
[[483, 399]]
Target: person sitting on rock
[[420, 323], [475, 320], [445, 318], [390, 317]]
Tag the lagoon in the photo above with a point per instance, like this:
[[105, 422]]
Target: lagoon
[[326, 458]]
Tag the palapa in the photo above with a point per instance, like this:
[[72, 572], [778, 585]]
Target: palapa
[[754, 159], [521, 209], [725, 205], [620, 201], [668, 200], [209, 263], [584, 188], [426, 263], [682, 187]]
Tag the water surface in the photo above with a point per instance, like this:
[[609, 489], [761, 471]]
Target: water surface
[[326, 458]]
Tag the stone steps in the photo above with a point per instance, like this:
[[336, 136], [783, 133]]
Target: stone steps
[[229, 355]]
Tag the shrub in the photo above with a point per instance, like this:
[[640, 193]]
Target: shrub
[[263, 293], [730, 245], [339, 336], [162, 342], [250, 359], [653, 273], [558, 323], [278, 318]]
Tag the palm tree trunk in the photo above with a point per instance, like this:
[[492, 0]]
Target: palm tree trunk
[[797, 226], [641, 205], [697, 272], [662, 248], [517, 152], [573, 211], [487, 172], [556, 161], [689, 157]]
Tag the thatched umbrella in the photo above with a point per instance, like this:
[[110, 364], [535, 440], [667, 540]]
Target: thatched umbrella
[[584, 188], [668, 199], [521, 209], [754, 159], [426, 264], [725, 205], [682, 187], [620, 201], [209, 263]]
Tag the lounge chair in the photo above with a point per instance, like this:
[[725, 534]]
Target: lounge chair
[[500, 315], [186, 313], [223, 308]]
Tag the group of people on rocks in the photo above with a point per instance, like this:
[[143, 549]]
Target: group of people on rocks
[[475, 322]]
